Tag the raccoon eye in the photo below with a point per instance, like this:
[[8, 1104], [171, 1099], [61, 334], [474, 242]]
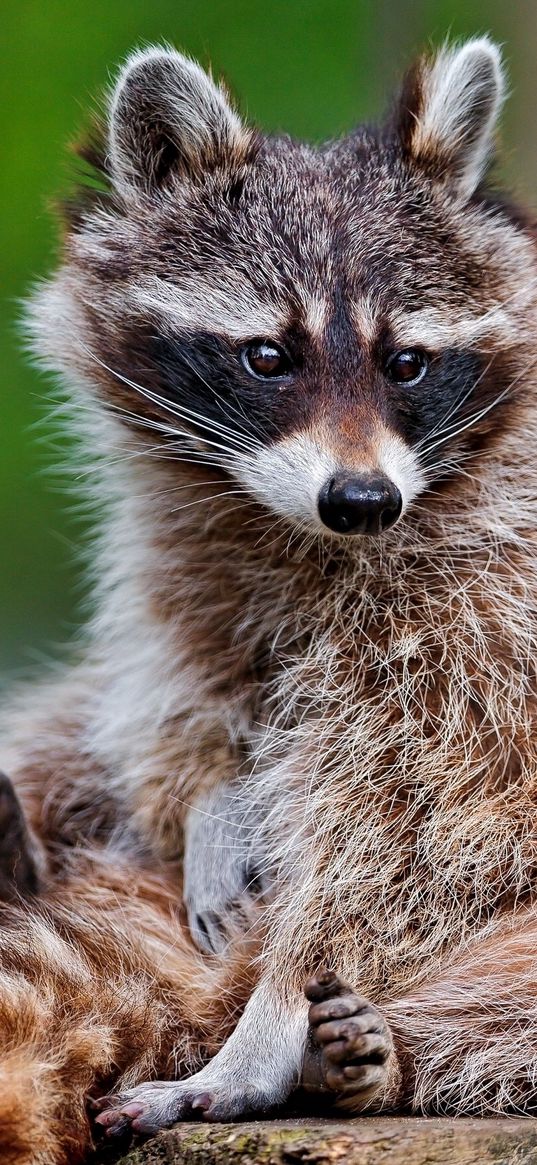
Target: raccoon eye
[[407, 367], [266, 360]]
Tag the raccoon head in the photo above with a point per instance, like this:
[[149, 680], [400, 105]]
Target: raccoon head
[[335, 328]]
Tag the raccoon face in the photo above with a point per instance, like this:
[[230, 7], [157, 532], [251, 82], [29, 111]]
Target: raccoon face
[[335, 328]]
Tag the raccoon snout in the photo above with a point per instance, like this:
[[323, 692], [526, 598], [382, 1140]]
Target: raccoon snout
[[359, 505]]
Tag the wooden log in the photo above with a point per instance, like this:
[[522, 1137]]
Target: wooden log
[[365, 1141]]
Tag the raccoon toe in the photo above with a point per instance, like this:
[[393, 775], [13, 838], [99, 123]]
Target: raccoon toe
[[145, 1109]]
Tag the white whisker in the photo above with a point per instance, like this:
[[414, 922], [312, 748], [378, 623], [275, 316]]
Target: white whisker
[[453, 431], [226, 404], [239, 442]]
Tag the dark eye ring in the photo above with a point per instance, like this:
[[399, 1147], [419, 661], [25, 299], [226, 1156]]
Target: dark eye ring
[[266, 360], [407, 367]]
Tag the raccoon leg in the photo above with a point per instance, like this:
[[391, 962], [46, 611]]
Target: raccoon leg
[[256, 1070], [350, 1056], [18, 864], [268, 1056], [222, 886], [466, 1043]]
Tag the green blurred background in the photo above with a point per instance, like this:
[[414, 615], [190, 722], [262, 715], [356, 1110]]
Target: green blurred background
[[313, 67]]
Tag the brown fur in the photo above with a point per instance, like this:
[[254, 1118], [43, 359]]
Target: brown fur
[[98, 983], [375, 698]]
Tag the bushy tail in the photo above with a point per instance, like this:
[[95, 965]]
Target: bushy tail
[[29, 1132], [100, 987]]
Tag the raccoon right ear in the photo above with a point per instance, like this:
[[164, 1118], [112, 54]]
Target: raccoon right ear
[[448, 112], [168, 116]]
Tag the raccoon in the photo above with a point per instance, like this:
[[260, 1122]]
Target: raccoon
[[306, 378]]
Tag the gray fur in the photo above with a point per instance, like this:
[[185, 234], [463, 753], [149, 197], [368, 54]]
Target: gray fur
[[376, 697]]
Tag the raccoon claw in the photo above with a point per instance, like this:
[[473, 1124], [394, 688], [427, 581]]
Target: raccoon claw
[[115, 1122], [117, 1115], [350, 1049]]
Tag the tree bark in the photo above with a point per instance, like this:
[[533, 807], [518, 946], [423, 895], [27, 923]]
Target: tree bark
[[365, 1141]]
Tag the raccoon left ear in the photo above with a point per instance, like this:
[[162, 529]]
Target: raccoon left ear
[[448, 113], [168, 117]]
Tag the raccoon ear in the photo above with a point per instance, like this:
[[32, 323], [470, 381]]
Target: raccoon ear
[[448, 113], [168, 116]]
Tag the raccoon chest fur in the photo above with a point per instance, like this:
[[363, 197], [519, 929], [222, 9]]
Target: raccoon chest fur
[[402, 745]]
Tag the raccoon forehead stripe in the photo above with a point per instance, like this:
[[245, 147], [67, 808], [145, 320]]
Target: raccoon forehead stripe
[[234, 310], [364, 314], [432, 328], [315, 309]]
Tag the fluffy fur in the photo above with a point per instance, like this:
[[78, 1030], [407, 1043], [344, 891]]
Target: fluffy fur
[[369, 703], [98, 980]]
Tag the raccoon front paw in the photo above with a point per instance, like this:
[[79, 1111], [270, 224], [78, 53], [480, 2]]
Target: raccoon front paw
[[218, 915], [150, 1107], [350, 1052], [222, 887]]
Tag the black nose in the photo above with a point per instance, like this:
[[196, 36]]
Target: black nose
[[359, 505]]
